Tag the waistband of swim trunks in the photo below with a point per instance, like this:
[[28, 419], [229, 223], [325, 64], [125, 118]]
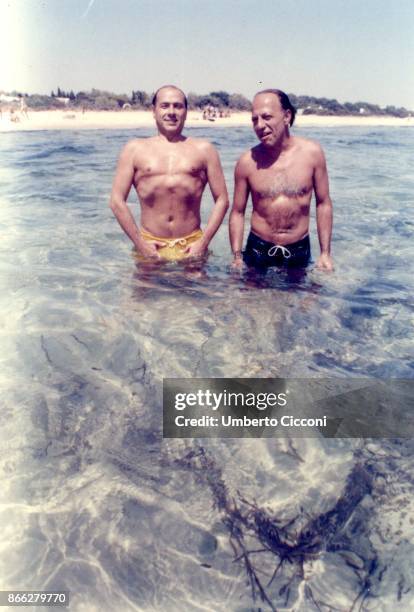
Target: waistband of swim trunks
[[147, 236], [292, 245]]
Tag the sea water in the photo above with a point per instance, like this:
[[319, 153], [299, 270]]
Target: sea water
[[93, 500]]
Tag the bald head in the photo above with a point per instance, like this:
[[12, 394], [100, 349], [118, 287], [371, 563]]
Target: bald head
[[154, 99], [283, 98]]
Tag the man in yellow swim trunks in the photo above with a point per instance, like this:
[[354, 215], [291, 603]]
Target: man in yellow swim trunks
[[169, 172]]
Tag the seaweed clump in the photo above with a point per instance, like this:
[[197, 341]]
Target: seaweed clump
[[293, 542]]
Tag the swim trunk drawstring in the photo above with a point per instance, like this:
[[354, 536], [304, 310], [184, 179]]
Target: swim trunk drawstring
[[171, 243], [275, 248], [173, 249]]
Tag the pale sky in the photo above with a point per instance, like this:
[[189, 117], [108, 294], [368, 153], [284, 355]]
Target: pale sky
[[345, 49]]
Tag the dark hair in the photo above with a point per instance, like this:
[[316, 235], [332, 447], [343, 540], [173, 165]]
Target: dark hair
[[285, 103], [154, 99]]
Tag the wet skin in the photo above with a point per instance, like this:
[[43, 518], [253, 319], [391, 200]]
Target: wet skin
[[281, 174], [169, 172]]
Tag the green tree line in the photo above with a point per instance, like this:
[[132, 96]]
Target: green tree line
[[97, 99], [326, 106]]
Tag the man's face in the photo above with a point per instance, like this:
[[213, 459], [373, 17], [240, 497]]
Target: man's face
[[269, 119], [170, 111]]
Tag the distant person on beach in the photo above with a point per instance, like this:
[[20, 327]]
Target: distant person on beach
[[23, 108], [169, 172], [280, 173], [13, 117]]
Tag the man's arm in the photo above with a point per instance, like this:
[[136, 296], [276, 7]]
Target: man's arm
[[238, 211], [121, 187], [217, 184], [324, 212]]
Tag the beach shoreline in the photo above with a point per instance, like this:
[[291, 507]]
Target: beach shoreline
[[90, 120]]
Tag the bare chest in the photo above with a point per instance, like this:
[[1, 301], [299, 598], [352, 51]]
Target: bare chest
[[292, 181], [170, 167]]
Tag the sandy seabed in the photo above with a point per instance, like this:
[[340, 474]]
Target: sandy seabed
[[60, 120]]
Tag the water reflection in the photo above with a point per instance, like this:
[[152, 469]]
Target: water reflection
[[93, 500]]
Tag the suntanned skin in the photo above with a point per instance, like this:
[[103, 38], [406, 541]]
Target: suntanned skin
[[169, 172], [280, 173]]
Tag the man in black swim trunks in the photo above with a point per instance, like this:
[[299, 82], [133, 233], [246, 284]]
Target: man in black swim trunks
[[280, 173]]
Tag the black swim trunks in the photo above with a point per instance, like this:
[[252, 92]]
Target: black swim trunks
[[262, 254]]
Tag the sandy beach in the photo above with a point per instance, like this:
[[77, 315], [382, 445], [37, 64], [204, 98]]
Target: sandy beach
[[61, 120]]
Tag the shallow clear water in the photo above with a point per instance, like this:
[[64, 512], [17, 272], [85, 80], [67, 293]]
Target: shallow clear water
[[93, 501]]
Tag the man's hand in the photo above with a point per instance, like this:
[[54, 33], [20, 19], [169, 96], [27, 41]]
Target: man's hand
[[237, 262], [197, 248], [149, 249], [325, 262]]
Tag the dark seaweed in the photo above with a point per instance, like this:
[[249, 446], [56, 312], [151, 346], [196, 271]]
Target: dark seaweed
[[289, 542]]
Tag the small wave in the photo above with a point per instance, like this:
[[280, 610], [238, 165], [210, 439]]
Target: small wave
[[63, 150]]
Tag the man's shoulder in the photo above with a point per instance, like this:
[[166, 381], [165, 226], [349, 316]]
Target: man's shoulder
[[245, 159], [135, 144], [136, 147], [307, 145], [203, 148], [201, 144]]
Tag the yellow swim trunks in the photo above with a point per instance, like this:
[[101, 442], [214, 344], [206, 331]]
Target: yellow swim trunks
[[174, 248]]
